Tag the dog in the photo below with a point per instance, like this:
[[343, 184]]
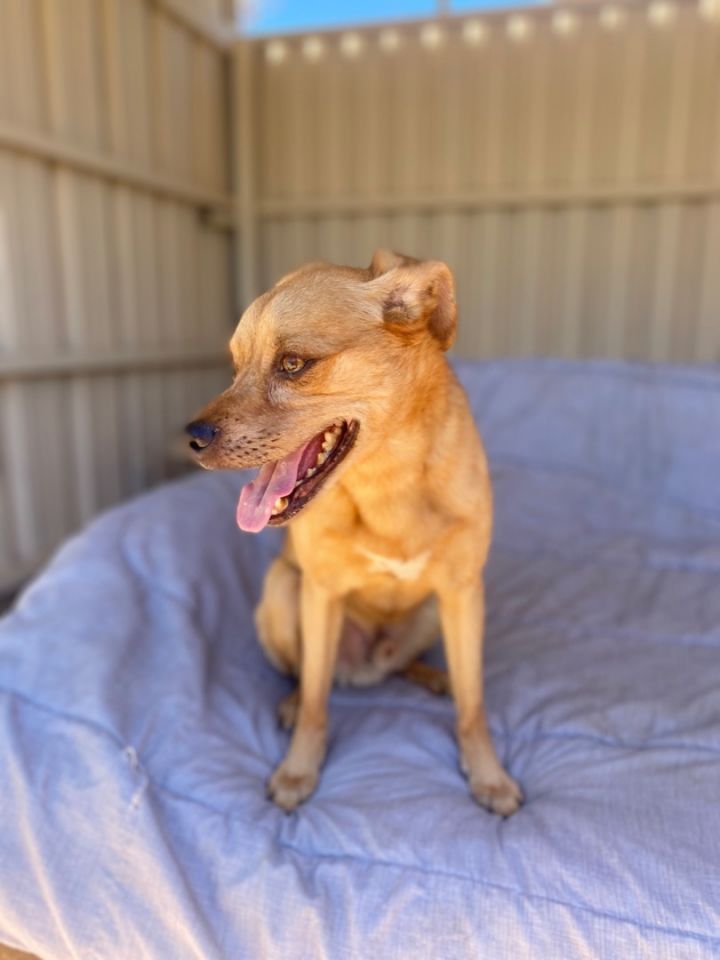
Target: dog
[[368, 450]]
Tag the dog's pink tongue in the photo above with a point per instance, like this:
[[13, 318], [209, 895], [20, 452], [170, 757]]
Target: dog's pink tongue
[[258, 497]]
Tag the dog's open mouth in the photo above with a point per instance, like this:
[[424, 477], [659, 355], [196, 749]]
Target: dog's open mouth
[[283, 487]]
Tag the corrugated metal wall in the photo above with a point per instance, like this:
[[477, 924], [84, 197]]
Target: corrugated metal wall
[[115, 293], [565, 162]]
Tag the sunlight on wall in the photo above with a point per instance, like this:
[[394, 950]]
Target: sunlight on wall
[[518, 27]]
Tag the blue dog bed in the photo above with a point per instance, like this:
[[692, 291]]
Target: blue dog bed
[[137, 719]]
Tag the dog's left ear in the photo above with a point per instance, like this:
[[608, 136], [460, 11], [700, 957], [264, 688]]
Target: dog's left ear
[[385, 260], [416, 295]]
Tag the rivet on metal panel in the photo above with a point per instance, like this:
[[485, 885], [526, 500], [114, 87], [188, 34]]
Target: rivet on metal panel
[[661, 13], [519, 28], [564, 22], [389, 40], [313, 48], [351, 44], [474, 32], [431, 36], [276, 51]]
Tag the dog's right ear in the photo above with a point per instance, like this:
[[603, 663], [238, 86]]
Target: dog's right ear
[[416, 296]]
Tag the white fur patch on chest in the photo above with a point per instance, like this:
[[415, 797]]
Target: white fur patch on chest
[[400, 569]]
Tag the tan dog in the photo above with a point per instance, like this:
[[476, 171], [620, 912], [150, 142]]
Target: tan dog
[[366, 443]]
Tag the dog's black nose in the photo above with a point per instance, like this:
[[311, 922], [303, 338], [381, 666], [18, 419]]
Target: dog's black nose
[[202, 434]]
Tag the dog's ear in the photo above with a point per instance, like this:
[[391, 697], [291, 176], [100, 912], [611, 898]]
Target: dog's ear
[[385, 260], [418, 295]]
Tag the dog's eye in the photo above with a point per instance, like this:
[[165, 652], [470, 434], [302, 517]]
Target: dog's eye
[[292, 365]]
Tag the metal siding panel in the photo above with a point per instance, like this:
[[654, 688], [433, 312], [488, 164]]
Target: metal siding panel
[[7, 101], [72, 36], [9, 510], [683, 317], [172, 101], [431, 123], [565, 75], [329, 239], [209, 134], [488, 231], [14, 331], [587, 106], [702, 149], [367, 110], [130, 317], [20, 474], [331, 132], [137, 80], [281, 147], [298, 173], [466, 302], [496, 86], [43, 325], [82, 255], [22, 78], [270, 85], [410, 118], [572, 281], [10, 292], [655, 91], [642, 267], [707, 342], [659, 310], [600, 333], [679, 102], [269, 246], [618, 91]]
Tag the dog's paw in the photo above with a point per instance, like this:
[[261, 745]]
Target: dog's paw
[[288, 790], [501, 795]]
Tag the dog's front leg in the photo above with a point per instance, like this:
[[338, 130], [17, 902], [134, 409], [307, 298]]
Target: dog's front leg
[[462, 611], [321, 623]]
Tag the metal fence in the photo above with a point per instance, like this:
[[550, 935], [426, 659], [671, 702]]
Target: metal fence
[[564, 160], [115, 290]]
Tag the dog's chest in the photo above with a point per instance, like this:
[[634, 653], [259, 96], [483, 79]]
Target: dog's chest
[[406, 570]]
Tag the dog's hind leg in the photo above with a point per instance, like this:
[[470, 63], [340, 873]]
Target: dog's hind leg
[[277, 616]]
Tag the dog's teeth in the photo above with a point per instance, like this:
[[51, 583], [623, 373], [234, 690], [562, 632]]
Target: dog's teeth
[[310, 472], [280, 505], [321, 458]]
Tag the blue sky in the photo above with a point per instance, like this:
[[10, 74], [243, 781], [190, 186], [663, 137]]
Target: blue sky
[[280, 16]]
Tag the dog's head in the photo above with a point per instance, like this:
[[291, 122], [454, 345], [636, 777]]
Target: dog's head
[[320, 363]]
